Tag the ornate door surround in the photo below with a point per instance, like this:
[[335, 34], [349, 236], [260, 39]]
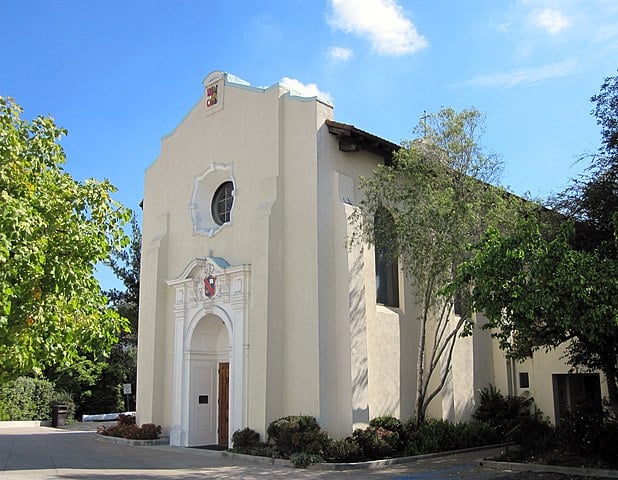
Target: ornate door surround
[[209, 286]]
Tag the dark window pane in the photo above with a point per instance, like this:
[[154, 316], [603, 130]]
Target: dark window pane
[[387, 266], [222, 203], [524, 380]]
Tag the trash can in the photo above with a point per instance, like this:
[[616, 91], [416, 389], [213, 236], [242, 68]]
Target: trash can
[[59, 415]]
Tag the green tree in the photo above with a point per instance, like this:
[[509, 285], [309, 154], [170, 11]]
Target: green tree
[[96, 385], [125, 264], [541, 288], [539, 293], [591, 200], [439, 195], [81, 379], [53, 231]]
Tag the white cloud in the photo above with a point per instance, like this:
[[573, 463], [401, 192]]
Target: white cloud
[[340, 53], [502, 26], [551, 20], [383, 21], [525, 75], [296, 87]]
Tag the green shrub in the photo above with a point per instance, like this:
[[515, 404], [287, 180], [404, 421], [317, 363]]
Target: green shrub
[[503, 413], [515, 419], [387, 422], [608, 449], [297, 433], [281, 429], [431, 436], [581, 430], [260, 450], [344, 450], [377, 442], [474, 434], [27, 398], [534, 434], [435, 435], [391, 424], [247, 441], [303, 459], [245, 438]]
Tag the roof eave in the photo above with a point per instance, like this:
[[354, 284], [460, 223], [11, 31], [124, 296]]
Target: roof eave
[[352, 139]]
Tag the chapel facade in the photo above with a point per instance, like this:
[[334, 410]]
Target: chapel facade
[[253, 306]]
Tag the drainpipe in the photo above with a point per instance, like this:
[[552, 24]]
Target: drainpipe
[[510, 376]]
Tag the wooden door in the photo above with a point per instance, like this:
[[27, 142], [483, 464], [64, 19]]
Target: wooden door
[[224, 402]]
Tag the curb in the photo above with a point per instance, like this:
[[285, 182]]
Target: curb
[[225, 454], [24, 424], [533, 467], [256, 459], [134, 443], [394, 461], [325, 466]]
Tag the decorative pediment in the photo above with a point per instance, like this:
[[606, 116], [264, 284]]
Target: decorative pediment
[[209, 265], [209, 279]]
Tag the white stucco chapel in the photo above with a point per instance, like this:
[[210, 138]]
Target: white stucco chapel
[[252, 304]]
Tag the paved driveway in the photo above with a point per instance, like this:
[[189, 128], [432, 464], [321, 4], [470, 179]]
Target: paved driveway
[[47, 453]]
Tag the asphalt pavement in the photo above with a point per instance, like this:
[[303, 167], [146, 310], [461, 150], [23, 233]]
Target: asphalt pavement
[[39, 453]]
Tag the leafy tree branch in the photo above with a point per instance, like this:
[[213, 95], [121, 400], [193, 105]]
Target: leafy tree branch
[[53, 231]]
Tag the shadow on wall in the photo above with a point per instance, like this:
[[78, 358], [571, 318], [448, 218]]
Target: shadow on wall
[[464, 410], [358, 339], [361, 413]]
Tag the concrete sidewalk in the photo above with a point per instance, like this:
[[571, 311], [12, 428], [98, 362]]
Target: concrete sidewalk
[[49, 453]]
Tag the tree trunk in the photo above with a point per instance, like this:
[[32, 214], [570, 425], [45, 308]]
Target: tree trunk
[[420, 372]]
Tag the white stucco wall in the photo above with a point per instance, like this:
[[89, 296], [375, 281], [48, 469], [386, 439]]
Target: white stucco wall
[[540, 369], [268, 138], [367, 352]]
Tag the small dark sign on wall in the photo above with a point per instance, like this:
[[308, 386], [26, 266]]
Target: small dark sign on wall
[[202, 399]]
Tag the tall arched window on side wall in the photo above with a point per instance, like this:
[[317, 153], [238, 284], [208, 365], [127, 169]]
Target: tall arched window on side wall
[[387, 265]]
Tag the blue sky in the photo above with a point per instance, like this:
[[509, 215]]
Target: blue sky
[[121, 74]]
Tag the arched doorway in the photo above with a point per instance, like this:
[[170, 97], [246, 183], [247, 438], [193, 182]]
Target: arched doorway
[[210, 355], [209, 367]]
